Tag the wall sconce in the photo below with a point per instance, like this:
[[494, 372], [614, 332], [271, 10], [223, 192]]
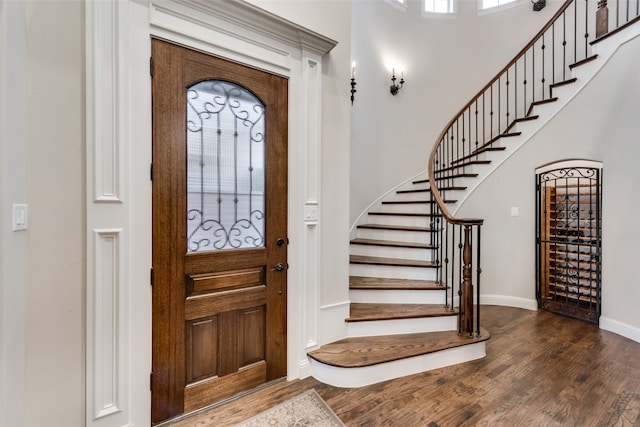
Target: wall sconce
[[538, 5], [395, 88], [353, 81]]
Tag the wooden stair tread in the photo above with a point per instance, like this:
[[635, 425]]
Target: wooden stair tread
[[361, 259], [584, 61], [358, 352], [393, 227], [411, 214], [452, 176], [381, 283], [392, 243], [413, 202], [541, 102], [527, 118], [460, 165], [428, 189], [360, 312]]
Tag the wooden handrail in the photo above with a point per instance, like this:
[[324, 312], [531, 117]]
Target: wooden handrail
[[431, 172]]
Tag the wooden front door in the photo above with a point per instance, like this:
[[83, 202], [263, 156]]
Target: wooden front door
[[219, 229]]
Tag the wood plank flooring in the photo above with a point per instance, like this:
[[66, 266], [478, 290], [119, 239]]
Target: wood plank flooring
[[541, 369]]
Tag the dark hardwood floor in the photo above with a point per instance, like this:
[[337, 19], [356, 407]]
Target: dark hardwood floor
[[541, 369]]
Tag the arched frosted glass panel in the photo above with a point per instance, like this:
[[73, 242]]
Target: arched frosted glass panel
[[225, 167]]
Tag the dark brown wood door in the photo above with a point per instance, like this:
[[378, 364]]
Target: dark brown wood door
[[219, 229]]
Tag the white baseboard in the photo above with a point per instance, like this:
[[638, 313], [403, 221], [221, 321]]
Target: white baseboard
[[620, 328], [304, 369], [509, 301]]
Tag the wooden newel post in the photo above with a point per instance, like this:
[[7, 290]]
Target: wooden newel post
[[467, 287], [602, 19]]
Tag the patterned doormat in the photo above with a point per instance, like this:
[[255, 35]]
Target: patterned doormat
[[307, 409]]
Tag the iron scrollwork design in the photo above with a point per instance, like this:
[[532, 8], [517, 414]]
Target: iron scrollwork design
[[225, 137]]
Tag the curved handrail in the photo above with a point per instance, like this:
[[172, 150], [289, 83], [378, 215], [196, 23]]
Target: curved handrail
[[431, 167]]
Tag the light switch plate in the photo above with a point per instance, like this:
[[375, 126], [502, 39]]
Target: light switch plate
[[515, 211], [20, 217]]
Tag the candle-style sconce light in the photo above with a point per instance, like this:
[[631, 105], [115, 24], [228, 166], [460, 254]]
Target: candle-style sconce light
[[395, 88], [353, 82]]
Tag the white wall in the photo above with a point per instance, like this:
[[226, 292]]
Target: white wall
[[600, 123], [392, 136], [42, 165], [13, 189]]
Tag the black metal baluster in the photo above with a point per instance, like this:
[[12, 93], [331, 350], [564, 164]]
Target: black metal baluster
[[524, 90], [464, 139], [460, 302], [445, 272], [586, 28], [484, 119], [515, 90], [476, 149], [453, 263], [628, 1], [499, 105], [564, 46], [478, 272], [575, 31], [491, 115], [507, 90]]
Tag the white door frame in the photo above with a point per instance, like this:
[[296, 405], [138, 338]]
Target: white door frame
[[118, 206]]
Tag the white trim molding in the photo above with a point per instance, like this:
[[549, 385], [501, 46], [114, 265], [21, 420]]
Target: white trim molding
[[118, 200], [509, 301], [107, 316], [620, 328]]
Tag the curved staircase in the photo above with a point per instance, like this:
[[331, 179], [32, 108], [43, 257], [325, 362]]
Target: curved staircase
[[402, 318], [405, 287]]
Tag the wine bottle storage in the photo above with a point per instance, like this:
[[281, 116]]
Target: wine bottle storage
[[569, 240]]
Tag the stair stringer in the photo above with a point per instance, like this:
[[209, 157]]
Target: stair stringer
[[605, 50]]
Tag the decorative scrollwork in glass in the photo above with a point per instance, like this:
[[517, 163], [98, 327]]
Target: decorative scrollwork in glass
[[225, 167]]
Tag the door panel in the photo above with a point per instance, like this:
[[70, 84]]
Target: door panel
[[219, 220]]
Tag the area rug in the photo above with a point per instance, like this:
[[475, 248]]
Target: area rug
[[306, 409]]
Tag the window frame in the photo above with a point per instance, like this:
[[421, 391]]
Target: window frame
[[439, 15], [499, 8]]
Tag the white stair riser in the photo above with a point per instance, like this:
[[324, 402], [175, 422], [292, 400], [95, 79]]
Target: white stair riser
[[397, 296], [459, 182], [407, 221], [391, 252], [394, 235], [405, 208], [389, 272], [423, 195], [359, 377], [401, 326]]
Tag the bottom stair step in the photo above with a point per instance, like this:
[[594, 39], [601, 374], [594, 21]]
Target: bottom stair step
[[356, 362], [367, 351]]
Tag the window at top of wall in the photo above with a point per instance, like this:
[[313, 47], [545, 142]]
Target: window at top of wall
[[496, 5], [398, 4], [433, 8]]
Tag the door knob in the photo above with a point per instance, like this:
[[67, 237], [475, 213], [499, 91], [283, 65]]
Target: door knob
[[280, 241], [280, 267]]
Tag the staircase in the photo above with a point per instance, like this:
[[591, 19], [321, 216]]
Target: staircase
[[403, 318], [412, 261]]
